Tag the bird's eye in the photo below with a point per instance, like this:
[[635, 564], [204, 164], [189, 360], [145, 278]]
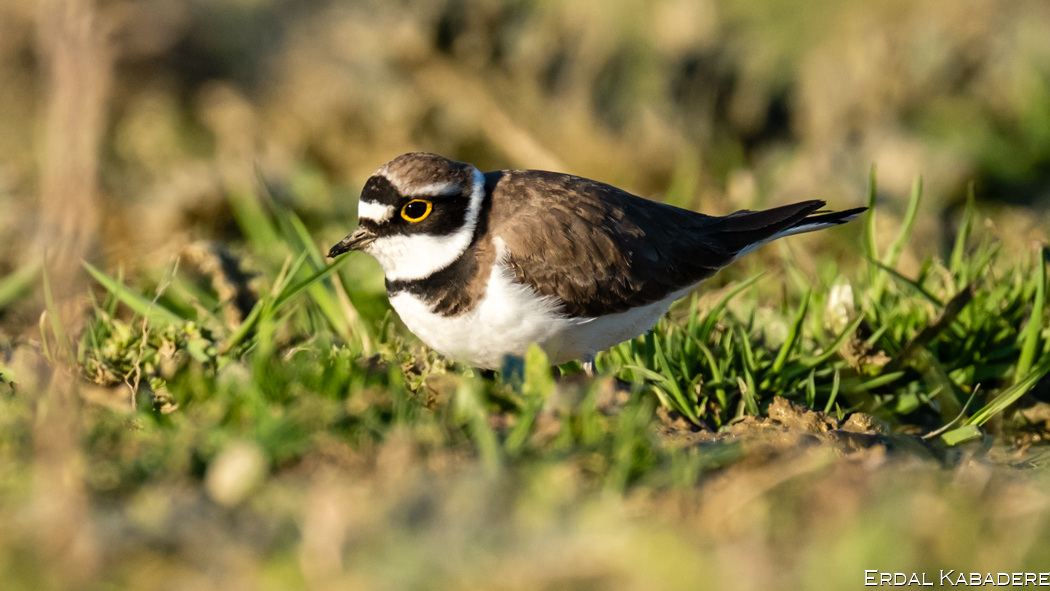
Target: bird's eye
[[416, 210]]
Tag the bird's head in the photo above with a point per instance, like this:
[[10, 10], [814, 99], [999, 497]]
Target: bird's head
[[417, 214]]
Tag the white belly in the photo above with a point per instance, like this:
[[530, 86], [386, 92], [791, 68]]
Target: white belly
[[511, 316]]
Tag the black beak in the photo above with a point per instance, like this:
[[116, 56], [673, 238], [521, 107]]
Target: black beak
[[359, 240]]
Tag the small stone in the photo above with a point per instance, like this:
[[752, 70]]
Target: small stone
[[859, 422], [238, 469]]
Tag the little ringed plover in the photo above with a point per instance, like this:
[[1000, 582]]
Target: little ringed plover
[[481, 265]]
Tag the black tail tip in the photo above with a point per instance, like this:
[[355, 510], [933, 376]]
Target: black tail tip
[[835, 217]]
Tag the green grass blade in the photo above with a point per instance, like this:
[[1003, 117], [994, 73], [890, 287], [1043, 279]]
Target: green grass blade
[[340, 314], [915, 285], [747, 392], [896, 248], [298, 232], [1011, 394], [712, 317], [863, 384], [833, 349], [1030, 334], [286, 276], [470, 409], [288, 294], [538, 384], [58, 327], [154, 311], [18, 282], [961, 435], [794, 335], [893, 255], [957, 264], [716, 374], [951, 311], [834, 392], [245, 328], [628, 438], [669, 383], [871, 248], [748, 354], [811, 389], [112, 301], [254, 222]]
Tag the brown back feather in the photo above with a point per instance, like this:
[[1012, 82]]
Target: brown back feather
[[602, 250]]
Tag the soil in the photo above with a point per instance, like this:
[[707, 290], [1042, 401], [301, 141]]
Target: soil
[[793, 426]]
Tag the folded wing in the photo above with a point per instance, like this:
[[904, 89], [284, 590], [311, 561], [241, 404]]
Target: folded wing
[[602, 250]]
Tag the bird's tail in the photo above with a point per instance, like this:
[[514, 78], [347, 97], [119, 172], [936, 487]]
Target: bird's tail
[[744, 231]]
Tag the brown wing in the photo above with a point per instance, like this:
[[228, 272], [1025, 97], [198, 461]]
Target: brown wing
[[602, 250]]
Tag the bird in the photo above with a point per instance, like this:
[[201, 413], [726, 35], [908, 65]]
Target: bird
[[480, 265]]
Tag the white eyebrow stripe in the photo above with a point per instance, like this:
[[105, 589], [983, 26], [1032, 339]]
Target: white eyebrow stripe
[[436, 190], [377, 212]]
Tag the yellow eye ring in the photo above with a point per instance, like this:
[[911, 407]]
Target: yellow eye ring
[[410, 211]]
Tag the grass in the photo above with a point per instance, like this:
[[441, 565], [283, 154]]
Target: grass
[[910, 350], [373, 463], [250, 415], [912, 353]]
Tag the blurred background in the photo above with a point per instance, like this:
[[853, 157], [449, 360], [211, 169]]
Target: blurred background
[[136, 120], [135, 133]]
